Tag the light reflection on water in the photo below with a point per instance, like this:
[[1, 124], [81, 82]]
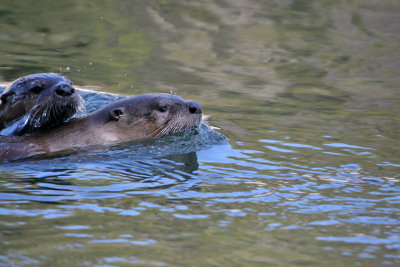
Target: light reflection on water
[[306, 92], [214, 185]]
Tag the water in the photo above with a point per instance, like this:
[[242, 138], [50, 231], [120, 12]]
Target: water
[[307, 93]]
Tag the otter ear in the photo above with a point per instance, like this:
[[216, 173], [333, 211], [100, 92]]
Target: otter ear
[[116, 113]]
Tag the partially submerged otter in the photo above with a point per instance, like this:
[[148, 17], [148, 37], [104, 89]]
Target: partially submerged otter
[[37, 102], [133, 118]]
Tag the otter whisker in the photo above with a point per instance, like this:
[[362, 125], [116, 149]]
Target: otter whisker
[[161, 129], [140, 117], [178, 124], [30, 110]]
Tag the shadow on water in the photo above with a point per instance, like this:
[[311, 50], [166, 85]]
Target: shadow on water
[[306, 92], [59, 184], [156, 164]]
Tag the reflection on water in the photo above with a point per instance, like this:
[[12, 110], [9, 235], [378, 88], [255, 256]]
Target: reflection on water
[[306, 91]]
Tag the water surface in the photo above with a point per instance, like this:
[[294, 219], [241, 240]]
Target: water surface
[[307, 93]]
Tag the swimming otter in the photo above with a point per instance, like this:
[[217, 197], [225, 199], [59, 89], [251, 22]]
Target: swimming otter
[[37, 102], [133, 118]]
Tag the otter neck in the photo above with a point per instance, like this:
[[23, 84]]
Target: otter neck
[[95, 129]]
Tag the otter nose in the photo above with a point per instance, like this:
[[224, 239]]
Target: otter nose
[[64, 90], [194, 107]]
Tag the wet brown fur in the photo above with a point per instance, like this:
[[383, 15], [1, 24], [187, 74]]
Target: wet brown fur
[[40, 101], [133, 118]]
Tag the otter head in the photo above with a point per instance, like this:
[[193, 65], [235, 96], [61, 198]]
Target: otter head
[[43, 100], [152, 115]]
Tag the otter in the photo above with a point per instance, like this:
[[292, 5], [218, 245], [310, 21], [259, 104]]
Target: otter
[[38, 102], [134, 118]]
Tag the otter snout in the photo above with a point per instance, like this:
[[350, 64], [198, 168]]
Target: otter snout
[[64, 90], [194, 107]]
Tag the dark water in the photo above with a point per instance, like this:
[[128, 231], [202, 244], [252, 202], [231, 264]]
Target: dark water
[[307, 93]]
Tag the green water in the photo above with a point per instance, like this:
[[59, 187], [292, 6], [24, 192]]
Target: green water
[[307, 92]]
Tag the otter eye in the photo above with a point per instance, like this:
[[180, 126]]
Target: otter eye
[[162, 109], [37, 89], [4, 99]]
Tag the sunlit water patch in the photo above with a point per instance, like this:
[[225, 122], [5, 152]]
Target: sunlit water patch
[[319, 193], [306, 91], [200, 184]]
